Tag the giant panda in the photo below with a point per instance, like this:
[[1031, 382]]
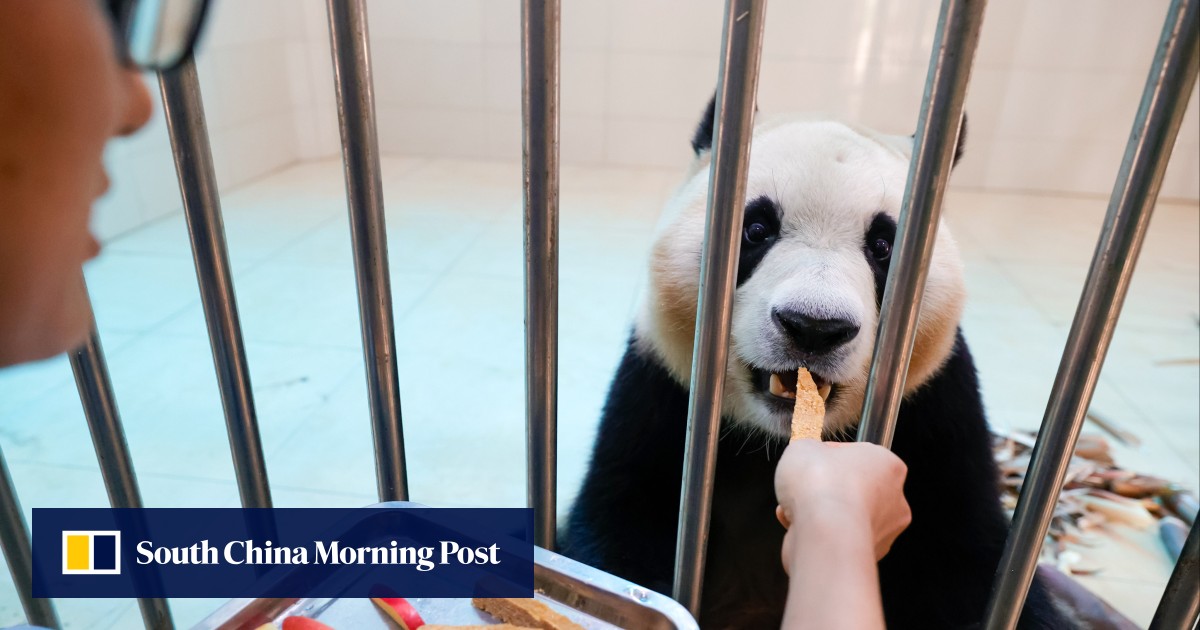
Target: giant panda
[[822, 200]]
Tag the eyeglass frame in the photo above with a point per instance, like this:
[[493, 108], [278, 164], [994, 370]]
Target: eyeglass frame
[[119, 11]]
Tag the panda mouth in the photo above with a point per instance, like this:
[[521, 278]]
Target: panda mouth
[[780, 387]]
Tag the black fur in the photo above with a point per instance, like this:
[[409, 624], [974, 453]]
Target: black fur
[[703, 138], [624, 519], [762, 210], [882, 226], [937, 575], [962, 140], [960, 145]]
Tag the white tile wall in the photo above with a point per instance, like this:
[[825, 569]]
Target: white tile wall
[[1054, 94], [1054, 90], [254, 65]]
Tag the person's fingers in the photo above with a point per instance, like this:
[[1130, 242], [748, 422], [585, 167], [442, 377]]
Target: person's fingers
[[801, 446], [884, 545], [859, 479], [785, 554], [897, 522], [782, 516]]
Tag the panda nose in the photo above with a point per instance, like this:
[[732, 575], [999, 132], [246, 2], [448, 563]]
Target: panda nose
[[814, 335]]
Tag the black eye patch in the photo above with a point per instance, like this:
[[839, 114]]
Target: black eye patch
[[877, 246], [760, 231]]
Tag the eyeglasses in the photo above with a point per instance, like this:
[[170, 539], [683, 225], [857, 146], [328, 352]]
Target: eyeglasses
[[157, 35]]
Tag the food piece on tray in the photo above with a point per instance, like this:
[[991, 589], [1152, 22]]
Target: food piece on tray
[[303, 623], [400, 611], [809, 414], [528, 613]]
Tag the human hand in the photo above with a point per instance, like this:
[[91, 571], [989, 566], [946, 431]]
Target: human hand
[[841, 489]]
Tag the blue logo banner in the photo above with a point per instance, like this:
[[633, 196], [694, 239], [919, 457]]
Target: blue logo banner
[[211, 552]]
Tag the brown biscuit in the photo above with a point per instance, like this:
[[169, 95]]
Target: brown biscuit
[[528, 613], [809, 414]]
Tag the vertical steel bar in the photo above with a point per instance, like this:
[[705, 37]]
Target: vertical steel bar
[[184, 113], [1179, 608], [108, 437], [364, 192], [539, 109], [737, 86], [933, 154], [14, 541], [1172, 75]]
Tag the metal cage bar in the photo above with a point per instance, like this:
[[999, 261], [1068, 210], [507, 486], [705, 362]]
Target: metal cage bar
[[14, 541], [364, 195], [112, 451], [1180, 605], [539, 110], [737, 86], [183, 110], [935, 142], [1172, 75]]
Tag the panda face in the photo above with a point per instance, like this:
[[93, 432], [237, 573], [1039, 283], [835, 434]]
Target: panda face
[[819, 220]]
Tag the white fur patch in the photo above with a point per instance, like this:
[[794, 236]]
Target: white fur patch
[[829, 180]]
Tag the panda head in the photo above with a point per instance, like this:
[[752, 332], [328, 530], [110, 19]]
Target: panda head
[[822, 201]]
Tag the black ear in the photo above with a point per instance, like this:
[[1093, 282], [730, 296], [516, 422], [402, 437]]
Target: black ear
[[962, 140], [702, 139]]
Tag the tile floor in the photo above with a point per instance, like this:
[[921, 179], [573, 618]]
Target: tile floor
[[456, 264]]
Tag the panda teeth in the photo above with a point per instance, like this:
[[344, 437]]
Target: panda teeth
[[777, 388], [824, 391]]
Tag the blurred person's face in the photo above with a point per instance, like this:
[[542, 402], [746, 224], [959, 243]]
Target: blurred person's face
[[63, 95]]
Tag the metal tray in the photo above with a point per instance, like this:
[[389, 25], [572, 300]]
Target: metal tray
[[590, 597]]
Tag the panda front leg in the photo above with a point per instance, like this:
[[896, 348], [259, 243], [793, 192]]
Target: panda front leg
[[625, 517]]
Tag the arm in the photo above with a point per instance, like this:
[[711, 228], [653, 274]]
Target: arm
[[834, 583]]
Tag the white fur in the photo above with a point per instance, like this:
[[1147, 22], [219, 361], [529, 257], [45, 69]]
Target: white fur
[[830, 179]]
